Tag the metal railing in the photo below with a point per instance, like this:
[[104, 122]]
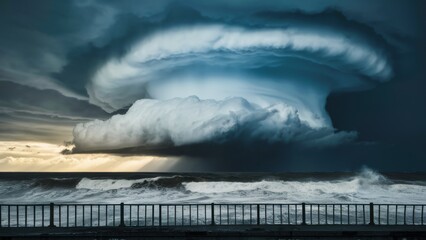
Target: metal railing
[[157, 215]]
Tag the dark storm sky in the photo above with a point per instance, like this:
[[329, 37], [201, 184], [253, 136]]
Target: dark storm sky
[[68, 62]]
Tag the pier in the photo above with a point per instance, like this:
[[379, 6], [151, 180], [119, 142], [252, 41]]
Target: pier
[[261, 220]]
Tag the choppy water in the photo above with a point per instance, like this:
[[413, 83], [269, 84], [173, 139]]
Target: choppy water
[[362, 187]]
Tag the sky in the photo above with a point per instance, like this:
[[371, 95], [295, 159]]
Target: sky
[[171, 85]]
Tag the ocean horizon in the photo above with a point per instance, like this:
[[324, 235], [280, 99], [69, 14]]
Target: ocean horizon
[[363, 186]]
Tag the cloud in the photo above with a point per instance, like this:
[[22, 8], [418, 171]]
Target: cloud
[[46, 102], [35, 44], [271, 53], [44, 157], [27, 113], [263, 79], [165, 54], [185, 121]]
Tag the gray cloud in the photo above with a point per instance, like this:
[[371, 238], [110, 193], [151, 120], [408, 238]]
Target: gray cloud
[[55, 52], [27, 113], [290, 60], [36, 40]]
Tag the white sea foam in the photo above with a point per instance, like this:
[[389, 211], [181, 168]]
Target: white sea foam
[[363, 181], [110, 184], [367, 186]]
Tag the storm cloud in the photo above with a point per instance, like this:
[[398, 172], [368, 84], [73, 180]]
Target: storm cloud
[[284, 67], [293, 79], [178, 122]]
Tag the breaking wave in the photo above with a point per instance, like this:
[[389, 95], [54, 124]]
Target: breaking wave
[[366, 179], [156, 182], [365, 186]]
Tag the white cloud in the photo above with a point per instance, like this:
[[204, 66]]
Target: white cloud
[[119, 82], [182, 121]]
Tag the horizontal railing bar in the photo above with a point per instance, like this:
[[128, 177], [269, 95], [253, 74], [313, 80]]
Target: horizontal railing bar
[[23, 205], [194, 204]]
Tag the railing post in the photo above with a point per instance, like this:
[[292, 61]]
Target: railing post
[[212, 213], [159, 215], [371, 214], [122, 215], [303, 214], [258, 214], [52, 215]]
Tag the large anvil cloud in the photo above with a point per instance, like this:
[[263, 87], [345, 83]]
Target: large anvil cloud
[[253, 79]]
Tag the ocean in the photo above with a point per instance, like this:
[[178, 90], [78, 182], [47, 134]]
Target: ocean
[[364, 186]]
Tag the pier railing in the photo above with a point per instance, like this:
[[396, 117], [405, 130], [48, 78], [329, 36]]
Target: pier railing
[[159, 215]]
